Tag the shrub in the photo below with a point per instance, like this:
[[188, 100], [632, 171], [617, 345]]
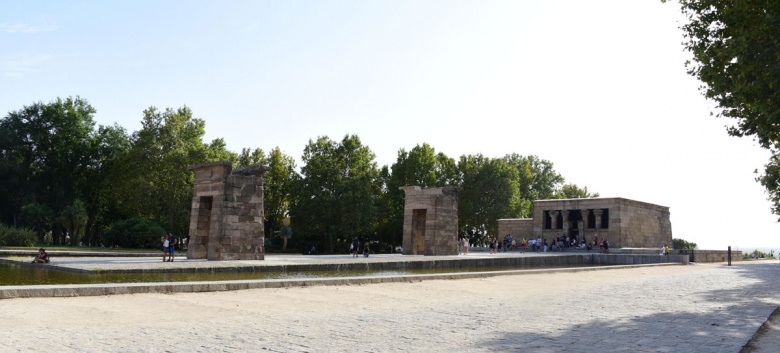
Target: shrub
[[682, 244], [135, 233], [11, 236]]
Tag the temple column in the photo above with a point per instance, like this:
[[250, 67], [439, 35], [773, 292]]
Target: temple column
[[584, 215], [597, 212]]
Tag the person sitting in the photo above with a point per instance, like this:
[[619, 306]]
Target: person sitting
[[42, 257], [365, 250]]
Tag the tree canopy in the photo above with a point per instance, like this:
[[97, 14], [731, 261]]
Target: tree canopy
[[736, 51], [62, 175]]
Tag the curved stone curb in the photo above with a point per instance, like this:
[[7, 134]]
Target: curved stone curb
[[77, 290]]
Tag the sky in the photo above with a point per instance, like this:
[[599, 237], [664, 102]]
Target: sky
[[599, 88]]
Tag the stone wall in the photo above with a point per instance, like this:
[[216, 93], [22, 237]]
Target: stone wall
[[226, 222], [694, 255], [624, 222], [520, 228], [430, 221]]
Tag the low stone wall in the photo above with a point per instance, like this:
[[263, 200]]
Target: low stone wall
[[693, 255]]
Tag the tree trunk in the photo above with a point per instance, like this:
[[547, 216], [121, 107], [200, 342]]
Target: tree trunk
[[56, 233], [330, 242]]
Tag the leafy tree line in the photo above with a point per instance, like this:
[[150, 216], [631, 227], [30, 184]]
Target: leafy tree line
[[62, 175]]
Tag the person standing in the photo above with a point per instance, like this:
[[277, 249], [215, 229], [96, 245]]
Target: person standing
[[171, 246], [165, 243], [355, 246], [465, 246]]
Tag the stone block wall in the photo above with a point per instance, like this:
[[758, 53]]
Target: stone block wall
[[520, 228], [643, 225], [226, 222], [430, 221], [624, 222]]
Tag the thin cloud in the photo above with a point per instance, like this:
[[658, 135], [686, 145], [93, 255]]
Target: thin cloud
[[22, 65], [24, 28]]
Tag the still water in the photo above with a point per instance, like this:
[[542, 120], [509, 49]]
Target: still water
[[11, 274]]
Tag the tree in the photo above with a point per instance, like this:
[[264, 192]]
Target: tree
[[572, 191], [39, 217], [46, 151], [109, 149], [490, 191], [249, 157], [336, 193], [538, 178], [682, 244], [73, 217], [278, 186], [159, 181], [421, 166], [736, 50]]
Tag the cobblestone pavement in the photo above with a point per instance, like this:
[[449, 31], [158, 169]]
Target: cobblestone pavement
[[695, 308]]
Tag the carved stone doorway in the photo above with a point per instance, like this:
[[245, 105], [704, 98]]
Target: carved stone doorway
[[418, 231]]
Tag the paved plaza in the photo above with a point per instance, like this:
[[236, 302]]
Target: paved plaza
[[692, 308]]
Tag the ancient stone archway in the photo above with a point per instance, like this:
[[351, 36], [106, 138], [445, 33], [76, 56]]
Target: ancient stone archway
[[430, 221], [226, 222]]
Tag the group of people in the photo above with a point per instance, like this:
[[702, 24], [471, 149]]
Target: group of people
[[355, 245], [168, 247], [509, 243]]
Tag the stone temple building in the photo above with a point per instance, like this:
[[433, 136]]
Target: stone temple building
[[625, 223]]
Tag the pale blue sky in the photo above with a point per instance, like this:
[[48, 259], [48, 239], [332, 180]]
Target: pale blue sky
[[597, 87]]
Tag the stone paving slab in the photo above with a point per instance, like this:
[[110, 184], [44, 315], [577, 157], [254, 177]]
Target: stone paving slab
[[694, 308]]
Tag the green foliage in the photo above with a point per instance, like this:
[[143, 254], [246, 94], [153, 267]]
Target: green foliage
[[73, 217], [157, 182], [422, 167], [490, 190], [12, 236], [135, 233], [757, 255], [249, 157], [537, 177], [46, 152], [278, 187], [61, 175], [735, 51], [39, 217], [572, 191], [335, 198], [682, 244]]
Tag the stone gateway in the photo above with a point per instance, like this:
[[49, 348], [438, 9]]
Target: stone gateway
[[430, 221], [226, 222]]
